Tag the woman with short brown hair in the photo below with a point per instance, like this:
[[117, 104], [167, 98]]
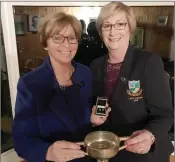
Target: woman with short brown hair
[[53, 106]]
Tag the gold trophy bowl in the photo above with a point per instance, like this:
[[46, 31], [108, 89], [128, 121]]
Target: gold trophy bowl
[[102, 145]]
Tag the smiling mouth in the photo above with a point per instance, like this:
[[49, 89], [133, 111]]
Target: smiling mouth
[[65, 52], [114, 39]]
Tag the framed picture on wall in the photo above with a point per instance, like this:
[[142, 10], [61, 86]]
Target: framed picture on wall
[[161, 20], [138, 38], [33, 22], [19, 21]]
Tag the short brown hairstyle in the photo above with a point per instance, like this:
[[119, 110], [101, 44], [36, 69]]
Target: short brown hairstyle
[[53, 24], [113, 7]]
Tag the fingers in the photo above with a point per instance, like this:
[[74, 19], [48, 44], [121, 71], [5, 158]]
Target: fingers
[[63, 151], [73, 154], [66, 144], [139, 142], [136, 133], [140, 147], [138, 137], [108, 110], [98, 120], [93, 110]]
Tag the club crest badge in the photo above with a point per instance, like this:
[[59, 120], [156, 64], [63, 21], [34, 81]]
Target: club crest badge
[[134, 91]]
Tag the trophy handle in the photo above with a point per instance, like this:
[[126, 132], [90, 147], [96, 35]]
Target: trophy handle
[[123, 139], [82, 144]]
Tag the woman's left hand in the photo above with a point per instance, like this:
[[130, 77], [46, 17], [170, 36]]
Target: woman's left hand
[[98, 120], [139, 142]]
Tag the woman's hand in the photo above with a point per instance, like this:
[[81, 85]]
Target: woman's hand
[[98, 120], [62, 151], [140, 142]]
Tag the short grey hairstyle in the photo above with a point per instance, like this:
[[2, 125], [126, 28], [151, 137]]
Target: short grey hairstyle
[[112, 8]]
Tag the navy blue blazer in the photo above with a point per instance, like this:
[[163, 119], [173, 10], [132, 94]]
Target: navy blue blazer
[[45, 114]]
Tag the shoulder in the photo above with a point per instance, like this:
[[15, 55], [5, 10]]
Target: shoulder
[[82, 69], [98, 61], [141, 54], [145, 57], [151, 63], [39, 76]]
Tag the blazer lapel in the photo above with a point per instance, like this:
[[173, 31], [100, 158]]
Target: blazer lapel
[[103, 75], [77, 91], [60, 102], [124, 76]]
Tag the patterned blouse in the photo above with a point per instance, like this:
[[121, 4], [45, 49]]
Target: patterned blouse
[[111, 77]]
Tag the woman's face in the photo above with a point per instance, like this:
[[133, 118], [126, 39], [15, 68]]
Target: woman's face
[[63, 51], [119, 34]]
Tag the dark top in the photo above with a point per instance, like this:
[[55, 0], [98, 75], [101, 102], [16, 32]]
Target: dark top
[[141, 99]]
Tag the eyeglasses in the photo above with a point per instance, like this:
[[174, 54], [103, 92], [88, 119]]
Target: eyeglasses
[[60, 39], [117, 26]]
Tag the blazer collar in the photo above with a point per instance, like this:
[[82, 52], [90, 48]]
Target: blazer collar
[[76, 79]]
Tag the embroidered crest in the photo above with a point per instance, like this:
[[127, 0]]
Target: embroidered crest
[[134, 86], [134, 91]]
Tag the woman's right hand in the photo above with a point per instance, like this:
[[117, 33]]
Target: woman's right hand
[[62, 151]]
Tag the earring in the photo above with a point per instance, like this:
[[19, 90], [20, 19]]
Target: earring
[[46, 48]]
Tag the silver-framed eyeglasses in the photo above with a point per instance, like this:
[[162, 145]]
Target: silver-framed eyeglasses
[[117, 26], [60, 39]]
